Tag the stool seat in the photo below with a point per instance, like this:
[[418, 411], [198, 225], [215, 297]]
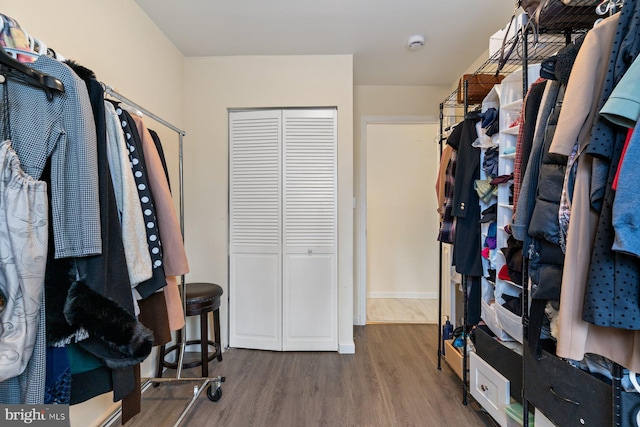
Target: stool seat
[[202, 296], [201, 299]]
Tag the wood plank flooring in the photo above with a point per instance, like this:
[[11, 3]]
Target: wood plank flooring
[[392, 380], [402, 310]]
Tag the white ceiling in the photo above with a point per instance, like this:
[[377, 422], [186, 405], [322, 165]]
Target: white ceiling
[[374, 31]]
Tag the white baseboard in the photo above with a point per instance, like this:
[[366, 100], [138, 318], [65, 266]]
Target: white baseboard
[[417, 295], [358, 321], [349, 348]]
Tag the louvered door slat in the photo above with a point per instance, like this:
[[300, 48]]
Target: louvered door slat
[[309, 180], [255, 203]]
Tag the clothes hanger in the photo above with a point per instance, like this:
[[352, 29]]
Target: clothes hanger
[[609, 7], [29, 75], [19, 70], [15, 52]]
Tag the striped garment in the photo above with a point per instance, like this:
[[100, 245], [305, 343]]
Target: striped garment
[[447, 230]]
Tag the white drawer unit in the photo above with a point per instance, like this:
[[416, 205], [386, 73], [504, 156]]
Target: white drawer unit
[[489, 388]]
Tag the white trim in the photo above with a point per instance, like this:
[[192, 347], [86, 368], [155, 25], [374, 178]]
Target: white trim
[[362, 232], [401, 295], [349, 348]]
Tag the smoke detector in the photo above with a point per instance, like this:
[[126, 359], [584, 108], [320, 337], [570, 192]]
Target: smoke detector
[[415, 42]]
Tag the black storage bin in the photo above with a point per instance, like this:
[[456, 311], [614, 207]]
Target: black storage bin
[[568, 396], [502, 359]]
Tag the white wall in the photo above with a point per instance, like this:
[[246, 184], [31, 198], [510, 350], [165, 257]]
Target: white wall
[[125, 49], [215, 84], [402, 249]]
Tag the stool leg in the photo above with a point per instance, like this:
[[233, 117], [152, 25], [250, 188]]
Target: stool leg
[[204, 346], [160, 361], [179, 336], [216, 332], [179, 341]]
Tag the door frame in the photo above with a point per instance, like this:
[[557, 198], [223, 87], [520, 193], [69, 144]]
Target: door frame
[[361, 296]]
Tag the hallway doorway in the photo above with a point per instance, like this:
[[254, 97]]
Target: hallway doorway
[[401, 223]]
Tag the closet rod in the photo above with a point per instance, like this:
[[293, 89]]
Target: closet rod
[[112, 92]]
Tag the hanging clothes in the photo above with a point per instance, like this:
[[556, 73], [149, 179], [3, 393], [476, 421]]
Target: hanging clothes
[[575, 336], [136, 157], [526, 199], [623, 108], [23, 252], [104, 279], [60, 133], [134, 233], [174, 257], [529, 113], [614, 274], [466, 203], [447, 230], [546, 258], [158, 144], [62, 130], [445, 158], [467, 246]]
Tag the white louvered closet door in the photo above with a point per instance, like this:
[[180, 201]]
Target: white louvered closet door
[[255, 252], [310, 230], [283, 229]]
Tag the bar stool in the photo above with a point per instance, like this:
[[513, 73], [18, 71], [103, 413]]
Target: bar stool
[[201, 299]]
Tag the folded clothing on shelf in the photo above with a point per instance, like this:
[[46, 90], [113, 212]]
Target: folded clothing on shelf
[[490, 162], [513, 257], [502, 179], [485, 190], [489, 214]]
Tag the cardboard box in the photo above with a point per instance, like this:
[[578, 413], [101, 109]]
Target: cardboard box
[[453, 357]]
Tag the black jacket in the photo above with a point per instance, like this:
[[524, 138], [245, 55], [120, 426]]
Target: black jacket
[[467, 246], [546, 256]]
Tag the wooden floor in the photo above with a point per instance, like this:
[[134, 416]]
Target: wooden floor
[[392, 380], [402, 310]]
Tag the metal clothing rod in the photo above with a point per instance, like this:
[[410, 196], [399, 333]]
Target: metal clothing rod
[[440, 342], [112, 92]]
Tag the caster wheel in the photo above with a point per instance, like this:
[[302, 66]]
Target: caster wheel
[[216, 395]]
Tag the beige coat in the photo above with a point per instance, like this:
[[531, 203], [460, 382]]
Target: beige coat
[[174, 257]]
